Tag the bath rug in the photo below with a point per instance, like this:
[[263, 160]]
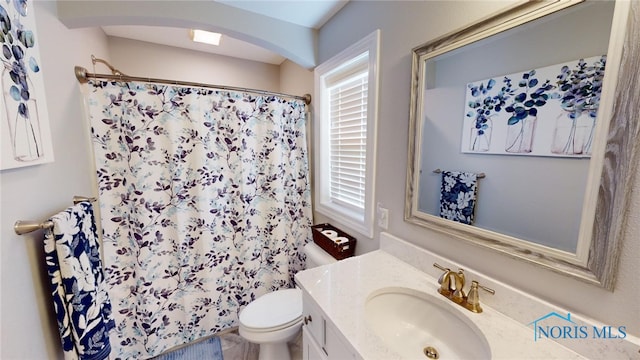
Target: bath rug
[[208, 349]]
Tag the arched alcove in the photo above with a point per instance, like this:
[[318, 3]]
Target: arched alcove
[[295, 42]]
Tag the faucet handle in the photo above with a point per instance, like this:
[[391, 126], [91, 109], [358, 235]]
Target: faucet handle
[[444, 280], [489, 290], [445, 274], [473, 298], [436, 265]]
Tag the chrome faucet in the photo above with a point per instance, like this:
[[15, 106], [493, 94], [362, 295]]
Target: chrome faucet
[[452, 287]]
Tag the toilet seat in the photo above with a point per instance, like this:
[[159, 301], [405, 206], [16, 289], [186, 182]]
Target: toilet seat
[[275, 328], [273, 311]]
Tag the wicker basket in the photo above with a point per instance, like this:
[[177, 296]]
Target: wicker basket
[[340, 250]]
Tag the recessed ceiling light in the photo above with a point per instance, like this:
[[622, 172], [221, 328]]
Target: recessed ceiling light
[[205, 37]]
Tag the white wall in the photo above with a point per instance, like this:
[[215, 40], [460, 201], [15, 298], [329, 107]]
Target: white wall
[[29, 330], [295, 80], [290, 40], [405, 25], [137, 58]]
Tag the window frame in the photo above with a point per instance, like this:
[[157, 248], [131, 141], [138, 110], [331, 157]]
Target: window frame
[[360, 221]]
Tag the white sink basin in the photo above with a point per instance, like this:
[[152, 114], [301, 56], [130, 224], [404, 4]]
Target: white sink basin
[[408, 321]]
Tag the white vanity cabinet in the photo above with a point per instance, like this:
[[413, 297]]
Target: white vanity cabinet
[[321, 341]]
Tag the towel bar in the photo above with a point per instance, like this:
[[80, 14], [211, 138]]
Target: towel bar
[[480, 175], [22, 227], [78, 199]]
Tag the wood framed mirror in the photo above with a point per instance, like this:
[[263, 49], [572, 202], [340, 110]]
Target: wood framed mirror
[[561, 201]]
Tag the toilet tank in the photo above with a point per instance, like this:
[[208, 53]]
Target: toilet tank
[[316, 256]]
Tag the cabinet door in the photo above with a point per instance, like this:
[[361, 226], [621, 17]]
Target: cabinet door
[[310, 348], [335, 347], [321, 340], [313, 320]]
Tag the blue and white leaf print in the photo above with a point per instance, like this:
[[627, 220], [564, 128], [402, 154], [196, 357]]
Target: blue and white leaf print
[[205, 204], [547, 111]]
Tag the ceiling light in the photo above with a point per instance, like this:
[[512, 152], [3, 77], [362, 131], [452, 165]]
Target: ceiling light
[[205, 37]]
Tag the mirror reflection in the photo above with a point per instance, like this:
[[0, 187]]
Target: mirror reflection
[[520, 107]]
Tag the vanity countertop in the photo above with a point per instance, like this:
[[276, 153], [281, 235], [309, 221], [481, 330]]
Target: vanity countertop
[[341, 290]]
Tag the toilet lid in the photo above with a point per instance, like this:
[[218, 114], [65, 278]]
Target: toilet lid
[[273, 309]]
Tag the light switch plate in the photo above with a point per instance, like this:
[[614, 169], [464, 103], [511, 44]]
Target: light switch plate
[[383, 216]]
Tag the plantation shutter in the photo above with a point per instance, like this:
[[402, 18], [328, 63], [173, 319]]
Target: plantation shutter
[[348, 134]]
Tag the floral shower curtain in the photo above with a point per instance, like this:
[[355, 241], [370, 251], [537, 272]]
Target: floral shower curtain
[[205, 205]]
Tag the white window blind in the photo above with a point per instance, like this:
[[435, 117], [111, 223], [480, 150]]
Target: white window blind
[[345, 135], [348, 138]]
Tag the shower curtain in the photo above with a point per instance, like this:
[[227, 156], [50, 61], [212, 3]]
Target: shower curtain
[[205, 205]]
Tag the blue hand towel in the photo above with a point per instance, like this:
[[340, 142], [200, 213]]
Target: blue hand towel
[[458, 196], [78, 286]]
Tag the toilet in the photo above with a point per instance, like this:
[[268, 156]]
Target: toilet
[[274, 319]]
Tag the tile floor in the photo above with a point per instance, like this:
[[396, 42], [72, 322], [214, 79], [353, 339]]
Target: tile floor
[[234, 347]]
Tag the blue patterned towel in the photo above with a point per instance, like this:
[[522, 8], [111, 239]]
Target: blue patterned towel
[[458, 196], [78, 287]]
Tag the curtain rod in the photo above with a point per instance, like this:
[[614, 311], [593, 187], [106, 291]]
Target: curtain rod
[[83, 76]]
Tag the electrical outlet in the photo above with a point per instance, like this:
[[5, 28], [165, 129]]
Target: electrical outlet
[[383, 217]]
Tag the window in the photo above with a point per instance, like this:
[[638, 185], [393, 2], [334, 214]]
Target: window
[[345, 128]]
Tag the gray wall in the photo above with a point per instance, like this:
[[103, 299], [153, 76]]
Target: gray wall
[[28, 328], [405, 25]]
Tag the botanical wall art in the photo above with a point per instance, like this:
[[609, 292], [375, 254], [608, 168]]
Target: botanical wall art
[[550, 111], [25, 137]]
